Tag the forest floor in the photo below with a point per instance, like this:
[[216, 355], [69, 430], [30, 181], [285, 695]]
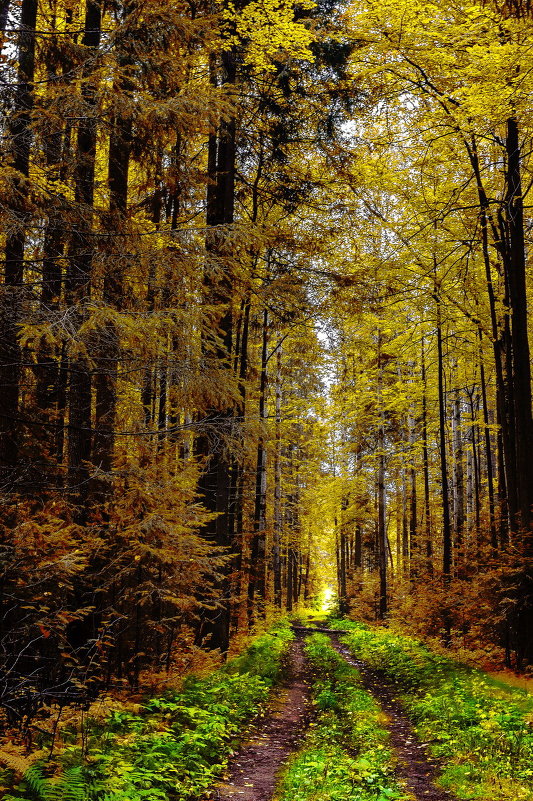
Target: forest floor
[[254, 770], [415, 768]]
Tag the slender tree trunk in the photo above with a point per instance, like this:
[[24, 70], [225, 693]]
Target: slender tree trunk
[[236, 531], [276, 545], [500, 337], [148, 384], [47, 369], [342, 564], [402, 529], [446, 527], [381, 519], [475, 471], [78, 278], [256, 582], [20, 140], [306, 573], [4, 14], [51, 359], [290, 580], [108, 348], [411, 543], [458, 477], [488, 450], [425, 466]]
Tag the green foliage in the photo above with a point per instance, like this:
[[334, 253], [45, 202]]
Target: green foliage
[[69, 785], [176, 746], [478, 728], [264, 657], [345, 755]]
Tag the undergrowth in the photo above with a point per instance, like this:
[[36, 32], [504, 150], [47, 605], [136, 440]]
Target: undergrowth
[[174, 748], [345, 755], [480, 730]]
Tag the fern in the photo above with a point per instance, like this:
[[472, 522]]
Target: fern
[[68, 786], [36, 781], [17, 762]]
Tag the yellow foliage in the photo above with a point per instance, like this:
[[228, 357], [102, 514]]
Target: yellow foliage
[[270, 32]]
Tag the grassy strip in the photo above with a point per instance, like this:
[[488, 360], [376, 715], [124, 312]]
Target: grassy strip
[[481, 731], [175, 747], [345, 755]]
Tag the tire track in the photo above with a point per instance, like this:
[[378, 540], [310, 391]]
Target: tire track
[[253, 771], [416, 770]]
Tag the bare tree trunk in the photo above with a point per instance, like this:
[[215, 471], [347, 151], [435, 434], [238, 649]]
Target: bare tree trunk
[[508, 502], [342, 565], [290, 580], [475, 488], [412, 543], [402, 530], [50, 358]]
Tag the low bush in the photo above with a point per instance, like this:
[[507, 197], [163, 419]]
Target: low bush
[[175, 747]]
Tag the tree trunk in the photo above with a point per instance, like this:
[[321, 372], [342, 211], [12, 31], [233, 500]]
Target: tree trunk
[[342, 562], [108, 346], [276, 544], [47, 369], [411, 543], [256, 582], [488, 450], [381, 518], [20, 140], [425, 464], [520, 358], [458, 478], [214, 483], [500, 339], [78, 279], [446, 527], [4, 14]]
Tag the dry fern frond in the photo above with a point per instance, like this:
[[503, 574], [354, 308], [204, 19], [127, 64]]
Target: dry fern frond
[[19, 762]]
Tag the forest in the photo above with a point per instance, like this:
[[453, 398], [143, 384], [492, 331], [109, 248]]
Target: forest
[[264, 349]]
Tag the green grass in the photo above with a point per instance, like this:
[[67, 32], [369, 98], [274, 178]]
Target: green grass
[[176, 746], [480, 730], [345, 755]]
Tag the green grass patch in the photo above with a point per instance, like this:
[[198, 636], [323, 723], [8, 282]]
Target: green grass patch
[[345, 755], [480, 730], [176, 747]]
